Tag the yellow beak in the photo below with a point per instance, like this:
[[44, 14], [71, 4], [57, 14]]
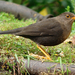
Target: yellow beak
[[73, 18]]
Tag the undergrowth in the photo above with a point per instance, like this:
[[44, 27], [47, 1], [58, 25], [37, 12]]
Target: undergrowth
[[23, 46]]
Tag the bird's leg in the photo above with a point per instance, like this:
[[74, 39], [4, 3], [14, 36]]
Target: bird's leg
[[44, 52]]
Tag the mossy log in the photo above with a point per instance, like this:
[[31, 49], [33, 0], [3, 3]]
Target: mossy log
[[21, 12]]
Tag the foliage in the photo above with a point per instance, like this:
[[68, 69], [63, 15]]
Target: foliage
[[54, 7], [22, 47], [68, 9], [73, 4]]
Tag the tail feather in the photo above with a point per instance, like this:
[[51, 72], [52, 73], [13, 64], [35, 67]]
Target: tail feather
[[11, 31]]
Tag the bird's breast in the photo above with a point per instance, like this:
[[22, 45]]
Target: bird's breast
[[48, 40]]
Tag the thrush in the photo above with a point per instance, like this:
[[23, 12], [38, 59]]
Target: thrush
[[48, 32]]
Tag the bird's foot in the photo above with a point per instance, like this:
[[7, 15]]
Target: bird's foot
[[45, 53], [42, 58]]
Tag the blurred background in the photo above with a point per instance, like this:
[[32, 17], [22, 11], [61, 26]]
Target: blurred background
[[45, 7]]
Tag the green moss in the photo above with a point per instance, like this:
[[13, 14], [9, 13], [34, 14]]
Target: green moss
[[22, 46]]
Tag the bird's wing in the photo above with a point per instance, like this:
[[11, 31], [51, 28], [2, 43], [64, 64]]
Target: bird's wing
[[43, 28]]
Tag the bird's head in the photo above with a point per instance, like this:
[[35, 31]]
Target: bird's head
[[66, 18], [67, 15]]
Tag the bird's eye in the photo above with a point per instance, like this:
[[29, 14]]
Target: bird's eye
[[67, 16]]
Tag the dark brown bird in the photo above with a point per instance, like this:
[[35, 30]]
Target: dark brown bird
[[48, 32]]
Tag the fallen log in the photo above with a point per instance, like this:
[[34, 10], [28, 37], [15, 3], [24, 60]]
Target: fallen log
[[21, 12], [48, 68], [35, 67]]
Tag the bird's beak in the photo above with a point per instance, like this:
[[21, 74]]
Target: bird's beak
[[73, 18]]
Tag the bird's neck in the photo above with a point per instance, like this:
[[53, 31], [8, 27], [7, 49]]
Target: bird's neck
[[66, 26]]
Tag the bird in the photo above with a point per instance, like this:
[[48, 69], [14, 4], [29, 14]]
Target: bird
[[48, 32]]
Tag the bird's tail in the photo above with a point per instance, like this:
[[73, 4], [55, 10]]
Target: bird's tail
[[11, 31]]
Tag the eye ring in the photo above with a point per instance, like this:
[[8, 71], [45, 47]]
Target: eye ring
[[67, 16]]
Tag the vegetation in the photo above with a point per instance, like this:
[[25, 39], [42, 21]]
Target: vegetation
[[54, 7], [19, 46], [22, 46]]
